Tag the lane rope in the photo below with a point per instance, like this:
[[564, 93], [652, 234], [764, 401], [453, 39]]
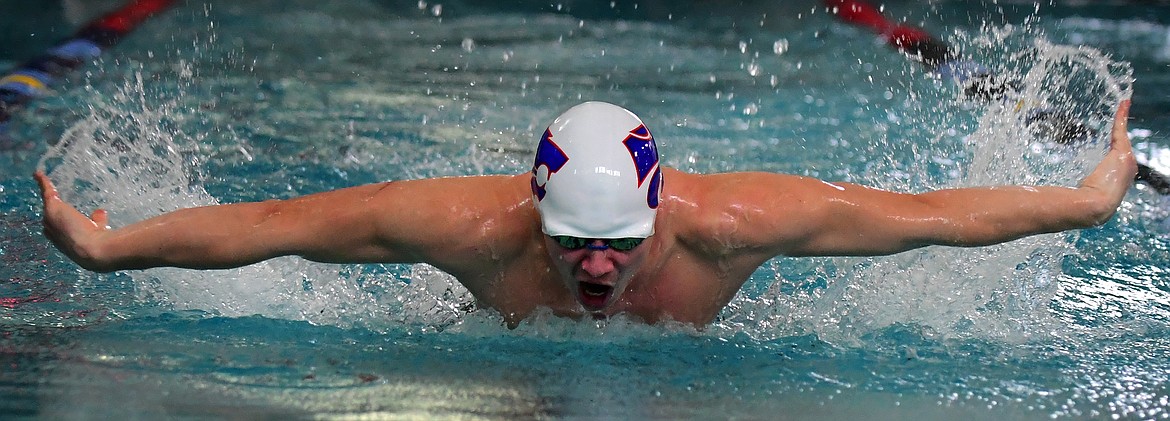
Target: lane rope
[[34, 78]]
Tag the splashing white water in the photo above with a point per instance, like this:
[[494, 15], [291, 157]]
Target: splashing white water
[[127, 157], [1002, 291]]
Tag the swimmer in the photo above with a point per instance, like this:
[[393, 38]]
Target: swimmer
[[597, 228]]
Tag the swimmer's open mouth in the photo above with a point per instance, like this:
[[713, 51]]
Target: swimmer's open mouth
[[594, 296]]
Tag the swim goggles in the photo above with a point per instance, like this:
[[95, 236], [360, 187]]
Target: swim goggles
[[577, 243]]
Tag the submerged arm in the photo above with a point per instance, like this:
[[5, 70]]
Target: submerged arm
[[844, 219]]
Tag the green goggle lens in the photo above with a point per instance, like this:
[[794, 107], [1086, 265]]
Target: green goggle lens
[[576, 243]]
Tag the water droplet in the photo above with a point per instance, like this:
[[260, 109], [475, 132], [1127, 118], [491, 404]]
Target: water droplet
[[780, 46], [751, 109]]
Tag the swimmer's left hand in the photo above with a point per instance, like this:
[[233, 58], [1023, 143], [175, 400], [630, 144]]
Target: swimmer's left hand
[[1113, 177]]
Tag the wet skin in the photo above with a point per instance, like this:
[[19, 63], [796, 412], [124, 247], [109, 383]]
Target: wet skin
[[711, 233], [596, 276]]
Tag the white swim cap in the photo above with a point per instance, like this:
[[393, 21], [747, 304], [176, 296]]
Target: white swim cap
[[596, 174]]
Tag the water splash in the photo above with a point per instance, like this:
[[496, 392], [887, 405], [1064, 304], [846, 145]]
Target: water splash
[[1002, 292], [130, 157]]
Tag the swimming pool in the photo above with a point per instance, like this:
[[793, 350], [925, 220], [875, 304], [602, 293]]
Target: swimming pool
[[229, 102]]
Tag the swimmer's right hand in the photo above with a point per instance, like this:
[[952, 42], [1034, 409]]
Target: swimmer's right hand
[[72, 232]]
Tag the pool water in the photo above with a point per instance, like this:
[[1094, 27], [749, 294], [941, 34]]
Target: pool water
[[220, 102]]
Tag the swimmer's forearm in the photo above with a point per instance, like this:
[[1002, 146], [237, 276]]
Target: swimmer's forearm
[[214, 237], [985, 216]]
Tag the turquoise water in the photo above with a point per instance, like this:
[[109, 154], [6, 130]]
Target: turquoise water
[[224, 102]]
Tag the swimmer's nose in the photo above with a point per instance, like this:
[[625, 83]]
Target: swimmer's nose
[[597, 263]]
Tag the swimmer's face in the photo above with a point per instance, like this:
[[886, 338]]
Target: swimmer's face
[[597, 275]]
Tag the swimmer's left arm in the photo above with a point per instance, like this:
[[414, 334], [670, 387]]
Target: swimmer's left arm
[[846, 219]]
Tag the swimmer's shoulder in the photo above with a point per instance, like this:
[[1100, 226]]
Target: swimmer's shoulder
[[471, 190], [737, 189], [711, 211], [499, 200], [478, 220]]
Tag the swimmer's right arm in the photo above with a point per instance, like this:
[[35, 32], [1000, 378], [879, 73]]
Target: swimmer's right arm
[[387, 222]]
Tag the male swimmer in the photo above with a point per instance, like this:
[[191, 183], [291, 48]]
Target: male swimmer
[[597, 228]]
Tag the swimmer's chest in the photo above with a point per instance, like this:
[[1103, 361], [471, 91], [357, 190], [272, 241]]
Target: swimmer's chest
[[681, 293]]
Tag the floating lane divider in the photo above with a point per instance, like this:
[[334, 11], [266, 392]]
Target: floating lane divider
[[978, 82], [33, 78], [916, 43]]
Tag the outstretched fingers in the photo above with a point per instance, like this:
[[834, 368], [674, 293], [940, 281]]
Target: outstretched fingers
[[69, 229], [1112, 178], [1121, 150], [1119, 138], [47, 190], [56, 209], [1116, 171]]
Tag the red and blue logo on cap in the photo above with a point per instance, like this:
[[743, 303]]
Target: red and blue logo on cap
[[550, 156], [640, 143]]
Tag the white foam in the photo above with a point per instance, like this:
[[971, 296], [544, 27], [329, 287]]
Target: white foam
[[1003, 291]]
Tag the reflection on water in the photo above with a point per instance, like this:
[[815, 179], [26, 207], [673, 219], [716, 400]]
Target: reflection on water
[[257, 103]]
